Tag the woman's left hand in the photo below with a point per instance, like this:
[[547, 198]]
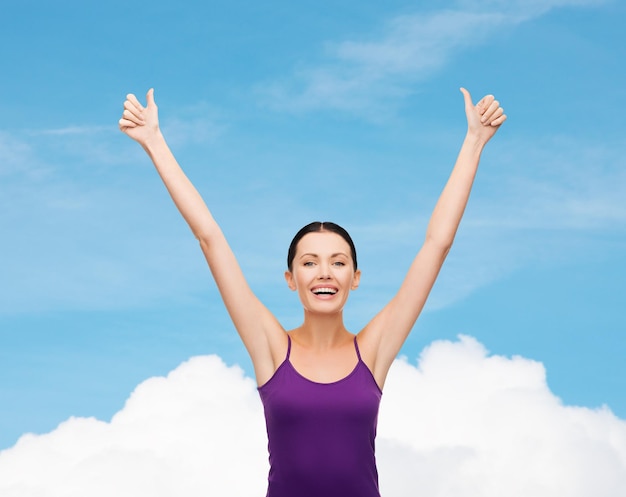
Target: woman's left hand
[[484, 118]]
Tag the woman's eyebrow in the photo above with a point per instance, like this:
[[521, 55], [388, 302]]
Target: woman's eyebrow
[[311, 254], [308, 254]]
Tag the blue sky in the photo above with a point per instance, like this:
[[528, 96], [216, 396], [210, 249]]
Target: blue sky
[[287, 112]]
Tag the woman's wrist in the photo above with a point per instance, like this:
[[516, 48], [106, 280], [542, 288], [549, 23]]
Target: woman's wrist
[[475, 141], [153, 141]]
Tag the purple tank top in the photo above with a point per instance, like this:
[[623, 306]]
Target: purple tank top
[[321, 435]]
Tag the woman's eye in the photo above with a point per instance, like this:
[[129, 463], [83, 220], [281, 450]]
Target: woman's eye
[[308, 263], [339, 263]]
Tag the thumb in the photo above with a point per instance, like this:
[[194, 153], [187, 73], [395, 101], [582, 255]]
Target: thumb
[[150, 97], [467, 97]]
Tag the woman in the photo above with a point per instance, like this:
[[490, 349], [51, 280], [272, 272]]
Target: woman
[[320, 384]]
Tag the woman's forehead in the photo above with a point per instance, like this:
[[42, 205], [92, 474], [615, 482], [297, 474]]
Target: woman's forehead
[[322, 241]]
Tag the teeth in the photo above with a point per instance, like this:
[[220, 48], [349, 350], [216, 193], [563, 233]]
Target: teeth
[[331, 291]]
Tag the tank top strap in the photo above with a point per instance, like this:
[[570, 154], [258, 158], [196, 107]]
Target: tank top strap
[[288, 347], [356, 347]]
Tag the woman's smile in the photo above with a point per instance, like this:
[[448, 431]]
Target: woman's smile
[[323, 270], [324, 291]]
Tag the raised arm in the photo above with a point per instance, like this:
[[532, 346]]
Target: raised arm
[[259, 330], [383, 337]]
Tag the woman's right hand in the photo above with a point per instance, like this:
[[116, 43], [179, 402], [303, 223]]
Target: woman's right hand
[[139, 122]]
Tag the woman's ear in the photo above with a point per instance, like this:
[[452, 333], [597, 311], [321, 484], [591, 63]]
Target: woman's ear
[[356, 279], [290, 281]]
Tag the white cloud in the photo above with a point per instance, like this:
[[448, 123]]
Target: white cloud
[[524, 9], [362, 76], [72, 130], [192, 434], [555, 202], [461, 422], [197, 130], [17, 158], [366, 76], [58, 189], [488, 426], [92, 256], [558, 183]]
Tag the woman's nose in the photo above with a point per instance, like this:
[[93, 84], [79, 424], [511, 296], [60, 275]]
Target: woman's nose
[[324, 272]]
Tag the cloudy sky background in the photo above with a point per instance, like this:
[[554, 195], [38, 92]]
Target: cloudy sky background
[[283, 113]]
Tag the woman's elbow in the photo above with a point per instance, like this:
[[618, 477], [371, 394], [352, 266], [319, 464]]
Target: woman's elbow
[[441, 244]]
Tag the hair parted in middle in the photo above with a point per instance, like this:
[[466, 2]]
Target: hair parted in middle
[[319, 227]]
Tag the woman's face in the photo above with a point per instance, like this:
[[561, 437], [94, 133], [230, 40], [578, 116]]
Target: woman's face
[[323, 272]]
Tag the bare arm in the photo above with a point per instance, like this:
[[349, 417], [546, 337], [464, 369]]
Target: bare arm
[[259, 330], [383, 337]]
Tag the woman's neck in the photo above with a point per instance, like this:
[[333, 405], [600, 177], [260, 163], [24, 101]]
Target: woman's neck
[[321, 331]]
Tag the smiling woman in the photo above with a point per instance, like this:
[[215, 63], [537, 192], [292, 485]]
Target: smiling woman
[[322, 266], [320, 384]]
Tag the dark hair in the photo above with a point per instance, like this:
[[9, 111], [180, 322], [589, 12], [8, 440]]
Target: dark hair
[[319, 227]]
